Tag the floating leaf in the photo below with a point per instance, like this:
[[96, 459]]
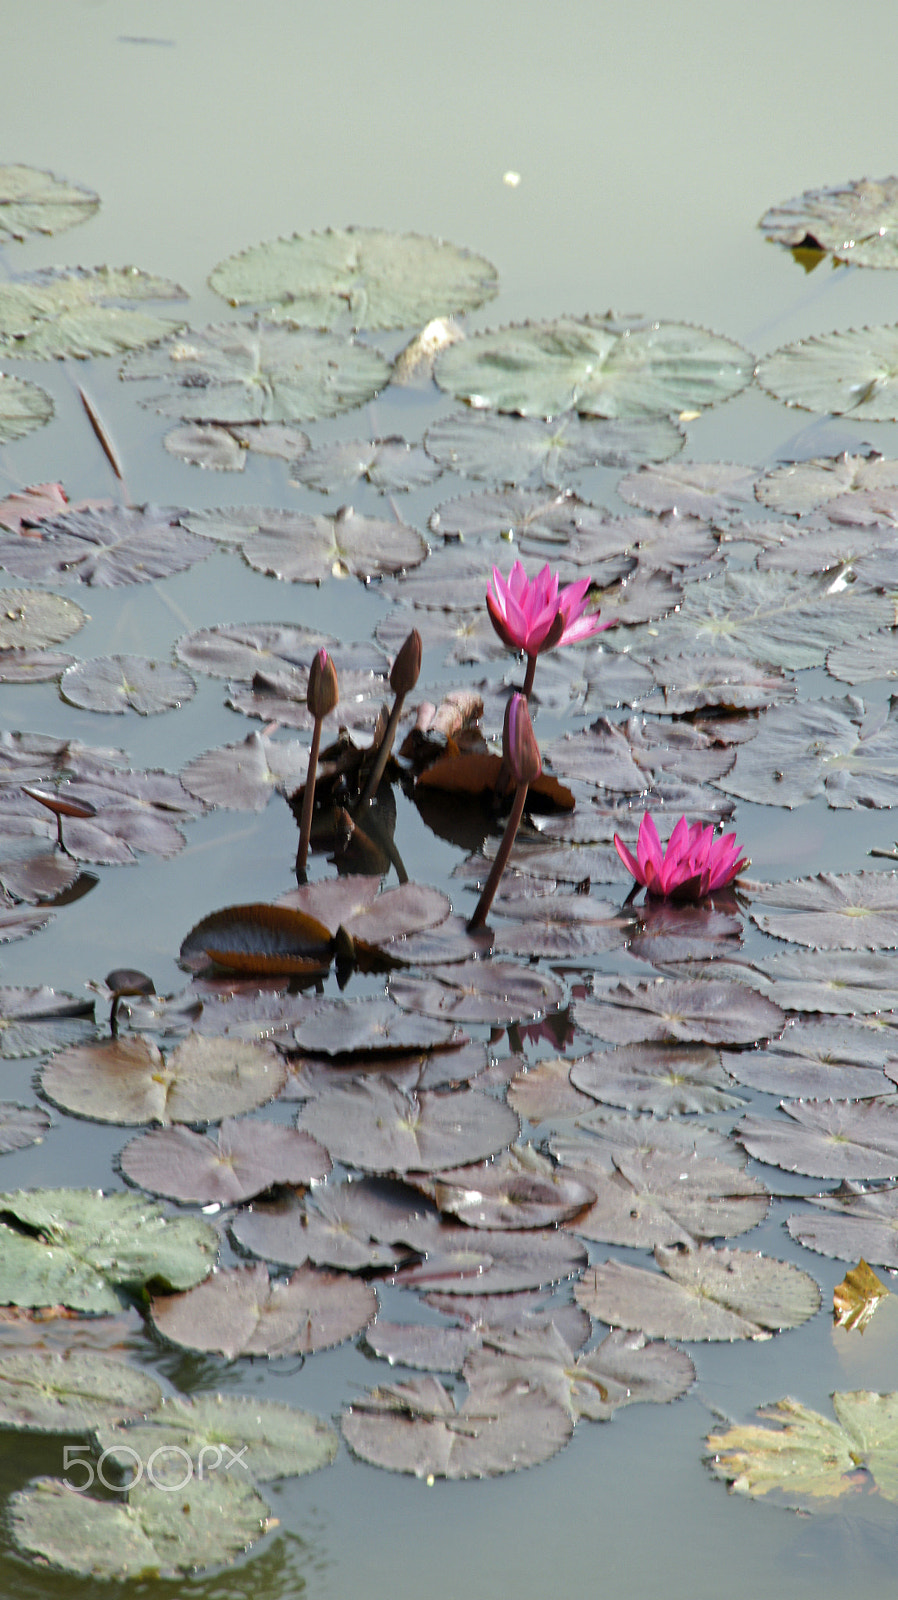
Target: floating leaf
[[39, 1021], [515, 450], [849, 373], [853, 1223], [665, 1079], [23, 407], [259, 372], [597, 366], [389, 465], [263, 940], [802, 486], [127, 1080], [375, 278], [80, 1247], [105, 549], [244, 776], [363, 1224], [842, 981], [48, 1391], [855, 1299], [855, 221], [239, 650], [489, 1261], [126, 683], [711, 489], [32, 201], [820, 1059], [343, 1027], [21, 1126], [807, 1457], [827, 1138], [660, 1197], [494, 992], [713, 1011], [378, 1128], [302, 548], [266, 1438], [862, 659], [519, 1189], [55, 313], [623, 1370], [543, 1092], [157, 1532], [247, 1157], [701, 1294], [697, 682], [826, 747], [31, 666], [238, 1311], [832, 911]]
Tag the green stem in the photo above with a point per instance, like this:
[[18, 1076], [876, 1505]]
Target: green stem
[[501, 861]]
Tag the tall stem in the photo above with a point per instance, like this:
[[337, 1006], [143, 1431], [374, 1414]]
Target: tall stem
[[308, 801], [501, 861]]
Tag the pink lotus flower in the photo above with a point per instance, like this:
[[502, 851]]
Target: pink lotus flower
[[537, 616], [694, 863]]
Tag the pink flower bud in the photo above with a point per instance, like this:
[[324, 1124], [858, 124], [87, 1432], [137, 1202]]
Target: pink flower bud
[[323, 691], [407, 665], [519, 744]]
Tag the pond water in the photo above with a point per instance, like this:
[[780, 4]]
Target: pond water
[[647, 142]]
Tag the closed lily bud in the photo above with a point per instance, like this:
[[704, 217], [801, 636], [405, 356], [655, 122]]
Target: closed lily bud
[[519, 745], [323, 691], [407, 666]]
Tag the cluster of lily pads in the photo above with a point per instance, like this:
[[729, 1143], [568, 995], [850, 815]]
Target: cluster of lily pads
[[536, 1081]]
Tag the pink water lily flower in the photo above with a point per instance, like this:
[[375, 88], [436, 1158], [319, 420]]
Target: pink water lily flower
[[694, 864], [538, 616]]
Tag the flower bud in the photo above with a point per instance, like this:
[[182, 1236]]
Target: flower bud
[[407, 666], [519, 745], [323, 692]]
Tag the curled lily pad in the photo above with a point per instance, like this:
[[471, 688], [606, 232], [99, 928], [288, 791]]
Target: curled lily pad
[[520, 1189], [32, 201], [418, 1427], [268, 941], [368, 276], [258, 372], [855, 221], [238, 1311], [596, 365]]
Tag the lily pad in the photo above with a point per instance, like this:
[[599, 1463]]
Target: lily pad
[[389, 465], [805, 1456], [303, 548], [712, 1011], [127, 1080], [238, 1311], [40, 1021], [258, 372], [48, 1391], [854, 1223], [849, 373], [244, 776], [711, 489], [856, 222], [353, 1027], [494, 992], [378, 1128], [838, 981], [264, 1438], [80, 1248], [23, 407], [659, 1197], [55, 313], [126, 683], [701, 1294], [519, 1189], [596, 366], [32, 201], [374, 278], [832, 911], [238, 650], [662, 1078], [820, 1059], [247, 1157], [518, 450], [829, 747], [105, 548], [622, 1370], [21, 1126], [365, 1224], [827, 1138], [167, 1534], [801, 486]]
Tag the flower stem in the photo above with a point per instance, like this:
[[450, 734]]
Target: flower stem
[[501, 861], [308, 801], [528, 680]]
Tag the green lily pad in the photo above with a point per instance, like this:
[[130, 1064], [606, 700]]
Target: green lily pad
[[805, 1457], [32, 201], [374, 278], [263, 1438], [856, 222], [54, 313], [597, 366], [23, 407], [81, 1247], [852, 373], [157, 1532], [258, 372], [48, 1391], [520, 450]]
